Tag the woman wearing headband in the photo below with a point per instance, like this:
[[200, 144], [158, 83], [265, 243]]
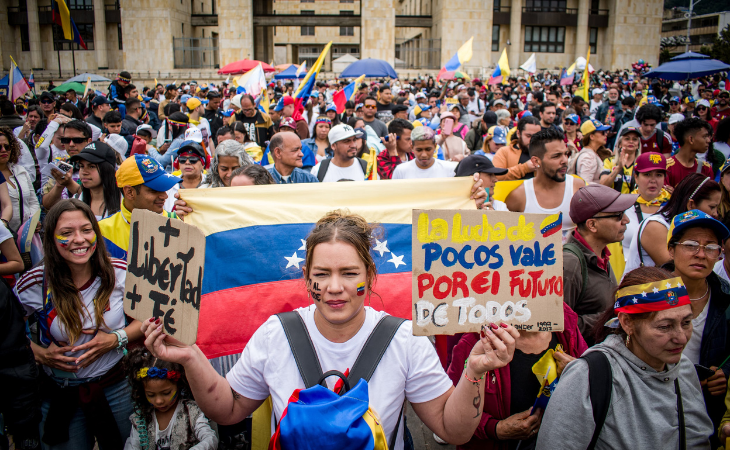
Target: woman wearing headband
[[319, 144], [695, 245], [647, 246], [653, 396]]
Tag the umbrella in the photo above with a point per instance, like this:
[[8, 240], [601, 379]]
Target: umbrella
[[78, 87], [290, 73], [283, 67], [371, 68], [453, 75], [82, 78], [244, 66], [686, 66]]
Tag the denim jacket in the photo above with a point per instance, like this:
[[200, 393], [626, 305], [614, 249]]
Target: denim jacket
[[297, 176]]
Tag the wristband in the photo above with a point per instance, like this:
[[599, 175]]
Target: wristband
[[122, 340], [467, 376]]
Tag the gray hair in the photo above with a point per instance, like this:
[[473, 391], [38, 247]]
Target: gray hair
[[423, 133], [502, 114], [229, 147]]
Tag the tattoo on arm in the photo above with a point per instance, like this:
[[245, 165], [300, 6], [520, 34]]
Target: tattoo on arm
[[236, 395], [477, 402]]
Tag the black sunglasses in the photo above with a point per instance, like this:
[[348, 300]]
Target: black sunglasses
[[701, 108], [76, 140], [187, 159], [47, 102], [617, 216]]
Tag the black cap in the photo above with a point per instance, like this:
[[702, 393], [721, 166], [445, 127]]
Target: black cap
[[477, 164], [125, 74], [46, 94], [170, 87], [100, 100], [192, 147], [490, 118], [399, 108], [97, 152]]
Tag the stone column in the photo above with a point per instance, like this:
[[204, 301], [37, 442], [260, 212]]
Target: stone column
[[34, 32], [515, 35], [100, 45], [377, 30], [327, 66], [581, 31], [290, 54], [455, 25], [235, 28]]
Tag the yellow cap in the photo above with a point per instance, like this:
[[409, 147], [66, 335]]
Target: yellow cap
[[192, 103]]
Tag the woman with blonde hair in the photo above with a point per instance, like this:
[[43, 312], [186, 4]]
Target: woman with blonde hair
[[618, 171]]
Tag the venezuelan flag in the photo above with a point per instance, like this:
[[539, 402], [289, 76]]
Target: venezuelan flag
[[462, 56], [501, 72], [17, 86], [565, 79], [305, 87], [62, 17], [341, 97], [255, 247]]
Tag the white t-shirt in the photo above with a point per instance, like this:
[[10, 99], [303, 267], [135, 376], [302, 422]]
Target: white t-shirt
[[409, 368], [719, 269], [29, 291], [692, 349], [337, 173], [439, 169], [5, 234]]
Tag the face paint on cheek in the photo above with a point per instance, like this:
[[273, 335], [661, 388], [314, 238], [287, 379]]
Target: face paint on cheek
[[174, 395], [93, 243], [314, 290], [361, 289], [62, 241]]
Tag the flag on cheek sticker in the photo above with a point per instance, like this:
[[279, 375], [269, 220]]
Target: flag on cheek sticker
[[361, 289]]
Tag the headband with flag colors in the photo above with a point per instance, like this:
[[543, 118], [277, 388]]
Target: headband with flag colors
[[62, 17], [17, 86], [651, 297], [462, 56], [501, 72], [341, 97]]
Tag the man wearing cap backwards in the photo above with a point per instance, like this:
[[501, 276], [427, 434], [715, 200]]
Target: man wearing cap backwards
[[551, 189], [344, 165], [286, 107], [196, 112], [99, 108], [144, 184], [694, 136], [424, 165], [598, 212], [116, 88]]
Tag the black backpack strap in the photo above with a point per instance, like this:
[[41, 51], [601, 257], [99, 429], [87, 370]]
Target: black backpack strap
[[600, 381], [680, 416], [301, 347], [364, 165], [373, 350], [391, 442], [574, 249], [639, 214], [323, 166]]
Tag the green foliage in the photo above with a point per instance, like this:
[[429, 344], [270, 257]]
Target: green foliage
[[721, 46], [664, 56]]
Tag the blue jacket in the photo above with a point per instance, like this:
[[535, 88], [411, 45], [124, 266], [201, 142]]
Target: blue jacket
[[297, 176]]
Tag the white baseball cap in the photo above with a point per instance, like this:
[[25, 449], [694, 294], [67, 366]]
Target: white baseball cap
[[340, 132], [674, 118], [118, 143], [193, 134], [236, 100], [147, 127], [704, 103], [597, 91]]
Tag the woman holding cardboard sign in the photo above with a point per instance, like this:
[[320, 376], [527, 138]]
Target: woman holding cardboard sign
[[340, 273], [77, 298]]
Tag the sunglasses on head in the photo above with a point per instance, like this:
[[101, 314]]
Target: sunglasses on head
[[188, 159], [75, 140]]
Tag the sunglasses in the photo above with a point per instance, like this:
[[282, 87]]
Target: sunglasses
[[701, 108], [188, 159], [5, 146], [569, 122], [674, 103], [617, 216], [370, 106], [47, 102], [75, 140]]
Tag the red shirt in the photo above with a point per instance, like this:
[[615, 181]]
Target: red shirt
[[387, 163], [661, 143], [720, 114], [605, 254], [676, 172]]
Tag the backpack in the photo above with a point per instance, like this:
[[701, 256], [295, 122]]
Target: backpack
[[325, 164], [138, 147], [574, 249], [316, 405]]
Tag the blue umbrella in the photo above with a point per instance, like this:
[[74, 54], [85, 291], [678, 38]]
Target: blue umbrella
[[82, 78], [371, 68], [687, 66], [290, 73]]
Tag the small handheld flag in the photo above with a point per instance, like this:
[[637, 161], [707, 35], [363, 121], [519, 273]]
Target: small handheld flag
[[17, 86], [341, 97], [501, 72]]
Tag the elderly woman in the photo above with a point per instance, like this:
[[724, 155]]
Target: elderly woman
[[229, 156], [695, 246], [503, 119], [652, 395]]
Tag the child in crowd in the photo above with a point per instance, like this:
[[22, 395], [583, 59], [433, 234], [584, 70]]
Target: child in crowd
[[166, 417]]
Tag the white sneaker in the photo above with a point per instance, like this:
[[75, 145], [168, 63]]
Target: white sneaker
[[439, 440]]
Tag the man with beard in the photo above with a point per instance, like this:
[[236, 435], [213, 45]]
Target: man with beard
[[610, 113], [721, 110], [344, 165], [259, 126], [515, 157], [547, 115], [551, 190]]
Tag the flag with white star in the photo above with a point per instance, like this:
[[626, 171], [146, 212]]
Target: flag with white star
[[650, 297]]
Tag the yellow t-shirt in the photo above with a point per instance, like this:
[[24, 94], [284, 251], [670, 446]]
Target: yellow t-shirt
[[608, 166]]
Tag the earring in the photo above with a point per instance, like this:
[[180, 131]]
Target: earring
[[628, 340]]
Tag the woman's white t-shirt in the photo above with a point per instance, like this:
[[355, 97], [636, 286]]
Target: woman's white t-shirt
[[409, 368], [632, 257], [29, 291], [692, 349]]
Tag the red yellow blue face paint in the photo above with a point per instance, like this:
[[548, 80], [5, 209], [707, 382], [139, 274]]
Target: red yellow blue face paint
[[62, 241], [361, 289], [93, 243], [174, 396]]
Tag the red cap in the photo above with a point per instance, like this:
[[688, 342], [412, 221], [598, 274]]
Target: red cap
[[595, 198], [647, 162], [288, 122]]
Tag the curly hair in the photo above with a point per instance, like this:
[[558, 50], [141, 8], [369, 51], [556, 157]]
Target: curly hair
[[139, 358], [230, 147], [14, 144]]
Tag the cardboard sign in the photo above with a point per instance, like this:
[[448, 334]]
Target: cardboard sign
[[474, 267], [165, 273]]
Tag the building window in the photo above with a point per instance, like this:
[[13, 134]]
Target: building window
[[595, 6], [347, 1], [354, 50], [347, 13], [307, 1], [307, 12], [347, 31], [593, 40], [495, 38], [24, 38], [545, 39], [119, 36], [307, 31], [80, 4], [545, 5], [86, 31]]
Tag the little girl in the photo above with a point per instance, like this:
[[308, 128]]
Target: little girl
[[165, 417]]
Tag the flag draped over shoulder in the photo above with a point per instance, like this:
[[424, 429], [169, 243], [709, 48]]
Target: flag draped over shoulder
[[255, 247]]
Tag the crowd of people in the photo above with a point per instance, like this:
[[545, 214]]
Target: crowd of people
[[640, 173]]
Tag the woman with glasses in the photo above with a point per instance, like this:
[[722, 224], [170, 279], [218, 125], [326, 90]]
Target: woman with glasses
[[695, 246], [703, 112], [571, 136], [191, 161]]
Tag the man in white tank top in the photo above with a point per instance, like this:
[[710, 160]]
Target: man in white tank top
[[551, 189]]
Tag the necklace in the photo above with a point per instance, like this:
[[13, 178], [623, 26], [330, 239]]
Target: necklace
[[703, 295]]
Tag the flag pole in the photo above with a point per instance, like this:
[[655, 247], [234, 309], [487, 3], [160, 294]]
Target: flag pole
[[73, 57]]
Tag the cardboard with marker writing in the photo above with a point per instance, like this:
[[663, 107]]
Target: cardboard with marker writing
[[165, 263], [471, 268]]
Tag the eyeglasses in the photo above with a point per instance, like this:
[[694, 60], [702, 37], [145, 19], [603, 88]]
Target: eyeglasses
[[618, 216], [75, 140], [693, 247], [188, 159]]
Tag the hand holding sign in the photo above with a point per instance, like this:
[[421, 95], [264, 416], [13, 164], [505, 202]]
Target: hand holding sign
[[165, 273]]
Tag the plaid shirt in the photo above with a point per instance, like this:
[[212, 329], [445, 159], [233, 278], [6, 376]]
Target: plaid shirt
[[387, 164]]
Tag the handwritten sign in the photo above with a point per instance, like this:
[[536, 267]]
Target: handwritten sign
[[471, 268], [165, 273]]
